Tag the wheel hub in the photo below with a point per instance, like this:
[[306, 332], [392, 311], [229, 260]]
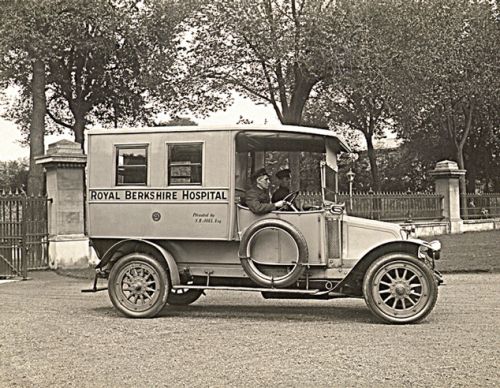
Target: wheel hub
[[401, 290], [138, 286]]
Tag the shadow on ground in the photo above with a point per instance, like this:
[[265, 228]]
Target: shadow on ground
[[313, 313]]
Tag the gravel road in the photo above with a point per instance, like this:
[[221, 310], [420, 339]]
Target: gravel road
[[52, 335]]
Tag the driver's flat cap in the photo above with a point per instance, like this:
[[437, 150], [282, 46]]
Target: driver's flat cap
[[286, 173], [260, 172]]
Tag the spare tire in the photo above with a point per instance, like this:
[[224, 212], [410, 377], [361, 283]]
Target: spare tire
[[294, 269]]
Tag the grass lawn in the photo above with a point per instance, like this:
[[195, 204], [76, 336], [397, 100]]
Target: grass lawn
[[469, 252]]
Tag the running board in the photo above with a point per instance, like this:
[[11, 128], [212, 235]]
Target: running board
[[227, 288], [96, 289]]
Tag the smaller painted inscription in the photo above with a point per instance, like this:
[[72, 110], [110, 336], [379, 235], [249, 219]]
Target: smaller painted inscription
[[206, 218]]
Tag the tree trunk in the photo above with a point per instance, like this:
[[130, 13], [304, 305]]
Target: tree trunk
[[373, 164], [294, 117], [79, 127], [36, 181], [496, 185], [298, 101], [462, 182], [471, 181]]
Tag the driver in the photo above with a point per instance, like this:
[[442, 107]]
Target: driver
[[284, 185], [257, 198]]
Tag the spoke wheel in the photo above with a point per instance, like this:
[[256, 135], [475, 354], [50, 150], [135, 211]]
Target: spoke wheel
[[138, 286], [398, 288], [183, 296]]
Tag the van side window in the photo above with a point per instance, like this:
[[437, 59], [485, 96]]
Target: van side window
[[184, 164], [131, 165]]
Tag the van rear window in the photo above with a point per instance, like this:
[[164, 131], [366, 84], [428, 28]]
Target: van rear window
[[131, 166], [185, 164]]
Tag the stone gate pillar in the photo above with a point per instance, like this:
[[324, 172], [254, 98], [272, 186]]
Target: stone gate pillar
[[446, 177], [64, 164]]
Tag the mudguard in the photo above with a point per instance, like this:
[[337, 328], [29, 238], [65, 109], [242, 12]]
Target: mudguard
[[352, 284], [131, 245]]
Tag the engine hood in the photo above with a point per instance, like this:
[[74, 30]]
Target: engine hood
[[362, 235]]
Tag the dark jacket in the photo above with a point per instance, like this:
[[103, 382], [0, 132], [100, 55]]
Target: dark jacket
[[280, 193], [258, 200]]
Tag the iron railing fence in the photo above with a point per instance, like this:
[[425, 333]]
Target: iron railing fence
[[11, 235], [383, 206], [480, 206], [394, 206], [23, 234]]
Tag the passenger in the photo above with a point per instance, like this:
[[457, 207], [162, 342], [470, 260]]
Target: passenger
[[257, 198], [284, 185]]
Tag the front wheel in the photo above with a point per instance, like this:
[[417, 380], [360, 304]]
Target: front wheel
[[138, 286], [398, 288]]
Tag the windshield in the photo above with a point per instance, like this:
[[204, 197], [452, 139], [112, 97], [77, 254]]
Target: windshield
[[329, 173], [329, 183]]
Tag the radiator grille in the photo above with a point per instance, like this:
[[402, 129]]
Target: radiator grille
[[333, 230]]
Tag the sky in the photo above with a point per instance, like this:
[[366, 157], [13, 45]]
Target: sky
[[12, 149], [10, 136]]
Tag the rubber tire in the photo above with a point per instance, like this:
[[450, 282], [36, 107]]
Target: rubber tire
[[163, 280], [385, 260], [256, 275], [185, 299]]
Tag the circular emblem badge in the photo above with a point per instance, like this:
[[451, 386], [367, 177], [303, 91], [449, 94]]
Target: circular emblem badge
[[156, 216]]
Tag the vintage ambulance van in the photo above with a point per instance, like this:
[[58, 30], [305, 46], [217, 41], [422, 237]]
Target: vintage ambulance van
[[165, 217]]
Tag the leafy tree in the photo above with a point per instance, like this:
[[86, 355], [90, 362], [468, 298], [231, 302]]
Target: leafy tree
[[266, 50], [450, 61], [85, 62], [357, 98], [177, 122], [104, 58], [104, 64], [425, 69], [13, 175], [482, 152], [401, 170], [270, 51], [23, 52]]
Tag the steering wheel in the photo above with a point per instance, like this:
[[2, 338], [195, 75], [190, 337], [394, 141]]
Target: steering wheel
[[289, 199]]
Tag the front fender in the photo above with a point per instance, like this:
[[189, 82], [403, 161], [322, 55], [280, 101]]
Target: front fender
[[352, 284]]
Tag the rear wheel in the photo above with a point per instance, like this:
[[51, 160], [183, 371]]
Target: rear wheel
[[138, 286], [183, 296], [398, 288]]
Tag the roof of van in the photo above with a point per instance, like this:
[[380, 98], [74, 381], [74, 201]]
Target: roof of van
[[235, 128]]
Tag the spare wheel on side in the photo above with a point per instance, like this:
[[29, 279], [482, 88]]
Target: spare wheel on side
[[273, 253]]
